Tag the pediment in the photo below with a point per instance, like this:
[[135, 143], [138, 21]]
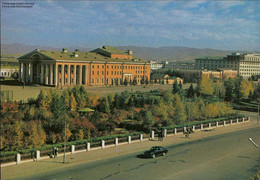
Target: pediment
[[35, 56]]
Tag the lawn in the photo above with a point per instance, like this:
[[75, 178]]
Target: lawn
[[20, 93]]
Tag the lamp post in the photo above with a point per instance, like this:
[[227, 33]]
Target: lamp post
[[64, 156], [250, 139]]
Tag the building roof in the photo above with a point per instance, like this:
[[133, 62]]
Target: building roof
[[81, 56], [211, 57]]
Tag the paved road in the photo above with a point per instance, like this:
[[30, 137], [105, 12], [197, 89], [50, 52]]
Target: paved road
[[226, 156]]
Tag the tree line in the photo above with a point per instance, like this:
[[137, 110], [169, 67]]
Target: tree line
[[41, 120]]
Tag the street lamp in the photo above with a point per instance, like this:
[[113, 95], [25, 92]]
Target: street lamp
[[64, 156], [250, 139]]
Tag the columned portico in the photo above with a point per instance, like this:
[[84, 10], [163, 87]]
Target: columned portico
[[62, 74], [68, 74], [42, 71], [86, 74], [80, 74], [74, 74], [31, 72], [46, 74], [51, 74]]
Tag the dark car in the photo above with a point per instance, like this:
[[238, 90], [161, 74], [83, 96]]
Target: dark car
[[155, 151]]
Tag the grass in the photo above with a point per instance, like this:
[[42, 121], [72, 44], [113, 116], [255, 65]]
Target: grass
[[20, 93]]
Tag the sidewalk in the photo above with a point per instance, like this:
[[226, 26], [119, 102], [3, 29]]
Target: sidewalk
[[45, 165]]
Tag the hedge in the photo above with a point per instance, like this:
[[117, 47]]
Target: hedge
[[60, 145], [202, 122]]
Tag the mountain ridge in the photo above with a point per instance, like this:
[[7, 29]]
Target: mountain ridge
[[177, 53]]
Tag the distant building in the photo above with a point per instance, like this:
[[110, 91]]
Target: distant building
[[165, 79], [8, 72], [219, 74], [183, 65], [246, 64], [155, 65], [102, 66]]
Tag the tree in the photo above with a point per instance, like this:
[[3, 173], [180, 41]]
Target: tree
[[245, 88], [180, 113], [17, 136], [219, 89], [229, 85], [148, 119], [134, 81], [126, 82], [205, 86], [190, 91]]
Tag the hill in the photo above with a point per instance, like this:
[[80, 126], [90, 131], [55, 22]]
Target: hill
[[150, 53]]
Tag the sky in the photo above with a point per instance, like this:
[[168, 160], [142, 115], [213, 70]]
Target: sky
[[226, 25]]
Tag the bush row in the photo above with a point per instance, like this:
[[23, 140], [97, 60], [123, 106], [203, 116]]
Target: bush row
[[203, 122], [60, 145]]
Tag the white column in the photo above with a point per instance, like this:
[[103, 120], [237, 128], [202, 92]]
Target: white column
[[51, 74], [72, 149], [20, 71], [193, 128], [217, 124], [38, 155], [224, 123], [47, 74], [165, 133], [209, 125], [42, 73], [129, 139], [56, 75], [141, 137], [88, 146], [86, 74], [69, 74], [31, 72], [62, 74], [201, 126], [102, 144], [27, 72], [24, 72], [80, 74], [237, 120], [18, 158], [175, 130], [152, 135], [116, 142], [74, 74]]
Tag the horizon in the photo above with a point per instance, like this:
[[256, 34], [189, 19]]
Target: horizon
[[229, 25]]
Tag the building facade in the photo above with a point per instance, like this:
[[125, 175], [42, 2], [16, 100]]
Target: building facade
[[102, 66], [246, 64], [219, 74], [184, 65]]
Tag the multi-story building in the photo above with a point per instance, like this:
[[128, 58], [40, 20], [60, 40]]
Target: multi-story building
[[155, 65], [246, 64], [102, 66], [183, 65], [219, 73]]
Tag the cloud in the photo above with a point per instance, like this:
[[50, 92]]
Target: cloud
[[166, 20]]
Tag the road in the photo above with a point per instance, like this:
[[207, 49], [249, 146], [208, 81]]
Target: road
[[225, 156]]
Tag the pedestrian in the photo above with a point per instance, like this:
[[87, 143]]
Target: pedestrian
[[162, 135]]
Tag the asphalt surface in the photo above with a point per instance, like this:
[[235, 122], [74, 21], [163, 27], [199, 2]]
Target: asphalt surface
[[226, 156]]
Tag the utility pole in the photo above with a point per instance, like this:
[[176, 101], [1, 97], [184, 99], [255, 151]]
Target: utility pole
[[250, 139], [64, 156]]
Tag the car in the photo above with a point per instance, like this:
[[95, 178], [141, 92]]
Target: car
[[155, 151]]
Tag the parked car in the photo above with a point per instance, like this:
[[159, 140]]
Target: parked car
[[155, 151]]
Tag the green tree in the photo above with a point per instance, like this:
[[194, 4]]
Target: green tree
[[205, 86], [190, 91], [180, 113], [245, 88]]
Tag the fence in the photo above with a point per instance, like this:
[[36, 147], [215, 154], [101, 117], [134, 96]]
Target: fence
[[121, 140]]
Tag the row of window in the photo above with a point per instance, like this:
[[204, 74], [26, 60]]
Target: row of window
[[119, 67], [116, 72]]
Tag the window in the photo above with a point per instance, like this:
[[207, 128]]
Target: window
[[97, 72], [92, 81], [92, 72]]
